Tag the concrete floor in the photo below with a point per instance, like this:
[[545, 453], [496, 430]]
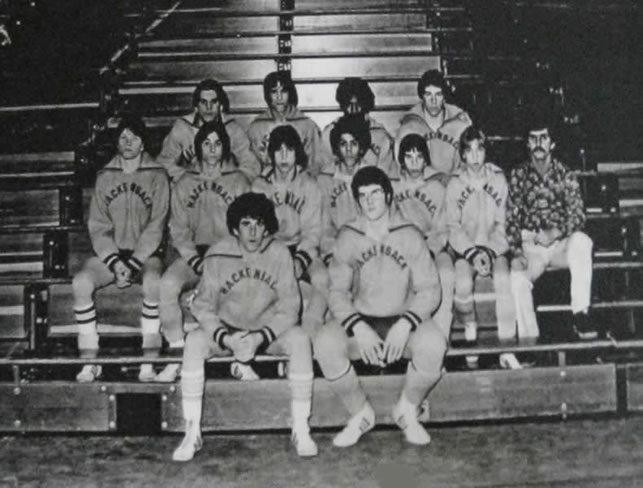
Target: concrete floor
[[575, 453]]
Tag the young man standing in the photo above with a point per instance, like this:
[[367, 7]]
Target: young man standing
[[545, 218], [439, 122], [383, 289], [248, 263], [210, 103]]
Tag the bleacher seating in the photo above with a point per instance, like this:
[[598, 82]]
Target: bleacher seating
[[44, 191]]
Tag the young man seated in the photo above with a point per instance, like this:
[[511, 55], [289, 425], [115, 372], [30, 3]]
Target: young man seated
[[383, 288], [246, 304], [127, 217], [280, 94], [475, 206], [298, 204], [199, 202], [350, 139], [420, 197], [545, 218], [355, 97]]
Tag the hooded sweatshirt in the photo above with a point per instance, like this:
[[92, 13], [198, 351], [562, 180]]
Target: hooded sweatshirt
[[128, 211], [178, 146], [199, 206], [421, 202], [476, 210], [443, 144], [394, 276], [249, 291], [298, 205], [261, 127]]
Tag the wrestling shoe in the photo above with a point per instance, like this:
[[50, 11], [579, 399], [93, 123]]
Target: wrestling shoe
[[243, 372], [190, 445], [169, 374], [405, 416], [89, 373], [358, 425]]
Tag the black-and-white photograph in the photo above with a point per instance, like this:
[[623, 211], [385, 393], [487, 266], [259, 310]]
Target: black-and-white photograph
[[321, 243]]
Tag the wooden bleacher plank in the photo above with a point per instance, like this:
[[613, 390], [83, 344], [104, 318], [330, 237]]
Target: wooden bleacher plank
[[321, 68], [223, 70], [634, 382], [29, 207], [202, 25], [369, 22], [303, 5], [241, 45], [363, 43], [480, 395], [55, 406], [12, 312]]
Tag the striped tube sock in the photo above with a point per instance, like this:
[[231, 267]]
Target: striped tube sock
[[87, 334], [192, 385], [348, 389], [150, 326]]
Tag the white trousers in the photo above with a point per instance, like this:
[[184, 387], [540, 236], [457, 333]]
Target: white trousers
[[574, 253]]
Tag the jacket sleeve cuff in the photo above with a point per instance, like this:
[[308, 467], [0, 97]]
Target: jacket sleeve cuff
[[413, 318], [110, 260], [350, 322], [470, 253], [195, 263], [219, 334], [134, 264], [267, 334], [304, 258], [327, 259]]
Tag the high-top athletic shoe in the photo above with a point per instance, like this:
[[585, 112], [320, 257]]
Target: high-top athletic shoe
[[303, 442], [146, 373], [471, 335], [243, 372], [405, 416], [89, 373], [508, 360], [169, 374], [583, 327], [190, 445], [359, 424]]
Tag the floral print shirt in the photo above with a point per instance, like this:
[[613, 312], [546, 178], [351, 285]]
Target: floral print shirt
[[542, 202]]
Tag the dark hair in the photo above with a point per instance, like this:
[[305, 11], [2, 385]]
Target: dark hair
[[372, 175], [283, 77], [435, 78], [541, 115], [286, 134], [355, 87], [203, 133], [355, 125], [471, 133], [255, 206], [135, 125], [211, 84], [410, 142]]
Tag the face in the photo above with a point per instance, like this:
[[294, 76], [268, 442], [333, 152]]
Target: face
[[353, 106], [208, 105], [414, 161], [251, 233], [212, 149], [130, 145], [348, 149], [285, 159], [540, 144], [372, 200], [474, 155], [279, 98], [433, 99]]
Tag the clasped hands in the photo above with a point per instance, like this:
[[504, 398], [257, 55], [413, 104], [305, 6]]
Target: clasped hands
[[243, 344], [373, 350]]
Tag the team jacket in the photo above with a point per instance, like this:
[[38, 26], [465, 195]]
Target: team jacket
[[249, 291], [129, 211], [199, 206], [422, 203], [476, 210], [380, 153], [443, 144], [298, 205], [338, 205], [541, 202], [262, 125], [178, 146], [393, 277]]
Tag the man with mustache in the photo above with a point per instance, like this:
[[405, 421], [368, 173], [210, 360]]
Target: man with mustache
[[545, 218]]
